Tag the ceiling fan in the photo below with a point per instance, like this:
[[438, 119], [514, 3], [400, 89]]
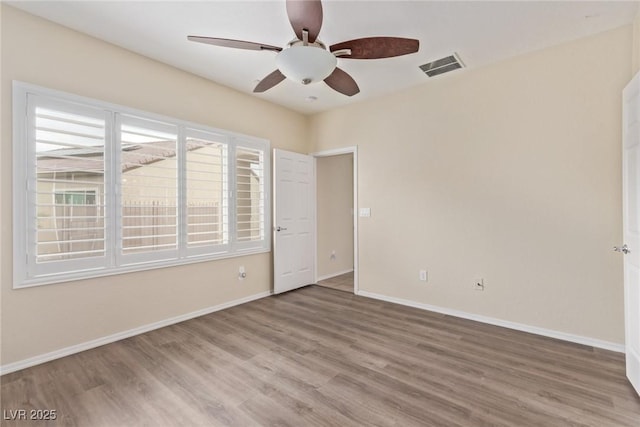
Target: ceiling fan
[[307, 60]]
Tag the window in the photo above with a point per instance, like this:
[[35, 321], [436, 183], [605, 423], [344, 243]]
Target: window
[[65, 146], [148, 189], [250, 195], [110, 189], [207, 208]]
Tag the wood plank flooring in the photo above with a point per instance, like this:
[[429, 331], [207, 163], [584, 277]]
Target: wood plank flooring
[[320, 357], [343, 282]]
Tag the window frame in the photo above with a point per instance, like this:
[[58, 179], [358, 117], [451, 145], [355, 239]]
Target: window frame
[[26, 271]]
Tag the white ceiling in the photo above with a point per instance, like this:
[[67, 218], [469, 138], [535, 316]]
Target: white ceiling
[[480, 32]]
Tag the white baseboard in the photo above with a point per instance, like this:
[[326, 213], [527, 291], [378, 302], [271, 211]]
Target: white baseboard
[[332, 275], [499, 322], [57, 354], [36, 360]]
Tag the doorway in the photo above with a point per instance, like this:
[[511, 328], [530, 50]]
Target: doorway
[[336, 219]]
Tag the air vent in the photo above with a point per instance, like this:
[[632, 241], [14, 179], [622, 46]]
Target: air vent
[[443, 65]]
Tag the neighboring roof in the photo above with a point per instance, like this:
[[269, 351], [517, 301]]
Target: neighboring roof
[[91, 159]]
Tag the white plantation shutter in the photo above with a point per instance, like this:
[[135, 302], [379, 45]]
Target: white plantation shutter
[[102, 189], [148, 189], [207, 204], [250, 203], [65, 209]]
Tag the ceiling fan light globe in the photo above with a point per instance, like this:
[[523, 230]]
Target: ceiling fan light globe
[[306, 64]]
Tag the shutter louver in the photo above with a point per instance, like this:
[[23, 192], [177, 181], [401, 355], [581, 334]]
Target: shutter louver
[[70, 175], [207, 208], [250, 203], [149, 185]]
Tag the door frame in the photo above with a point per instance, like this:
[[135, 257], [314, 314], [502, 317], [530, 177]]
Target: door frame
[[336, 152]]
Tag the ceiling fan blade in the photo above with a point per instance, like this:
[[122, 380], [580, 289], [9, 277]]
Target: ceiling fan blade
[[270, 81], [305, 15], [342, 82], [377, 47], [237, 44]]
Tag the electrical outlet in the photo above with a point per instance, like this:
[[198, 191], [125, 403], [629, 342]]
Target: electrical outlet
[[478, 284], [241, 273], [423, 275], [333, 255]]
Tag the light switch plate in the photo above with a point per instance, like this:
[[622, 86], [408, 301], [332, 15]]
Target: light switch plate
[[364, 212]]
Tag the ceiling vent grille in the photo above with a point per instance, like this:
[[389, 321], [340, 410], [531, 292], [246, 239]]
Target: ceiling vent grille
[[442, 65]]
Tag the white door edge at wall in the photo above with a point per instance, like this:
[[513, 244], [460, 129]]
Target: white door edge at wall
[[631, 226]]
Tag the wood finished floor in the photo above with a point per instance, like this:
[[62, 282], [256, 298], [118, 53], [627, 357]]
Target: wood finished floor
[[322, 357], [343, 282]]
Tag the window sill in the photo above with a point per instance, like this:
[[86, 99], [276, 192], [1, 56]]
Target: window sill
[[91, 274]]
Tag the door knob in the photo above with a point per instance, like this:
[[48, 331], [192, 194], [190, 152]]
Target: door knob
[[624, 249], [280, 228]]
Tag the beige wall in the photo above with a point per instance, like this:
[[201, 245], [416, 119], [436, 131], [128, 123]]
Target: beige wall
[[635, 55], [334, 212], [46, 318], [510, 172]]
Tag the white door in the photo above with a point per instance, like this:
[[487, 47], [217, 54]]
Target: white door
[[293, 220], [631, 226]]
